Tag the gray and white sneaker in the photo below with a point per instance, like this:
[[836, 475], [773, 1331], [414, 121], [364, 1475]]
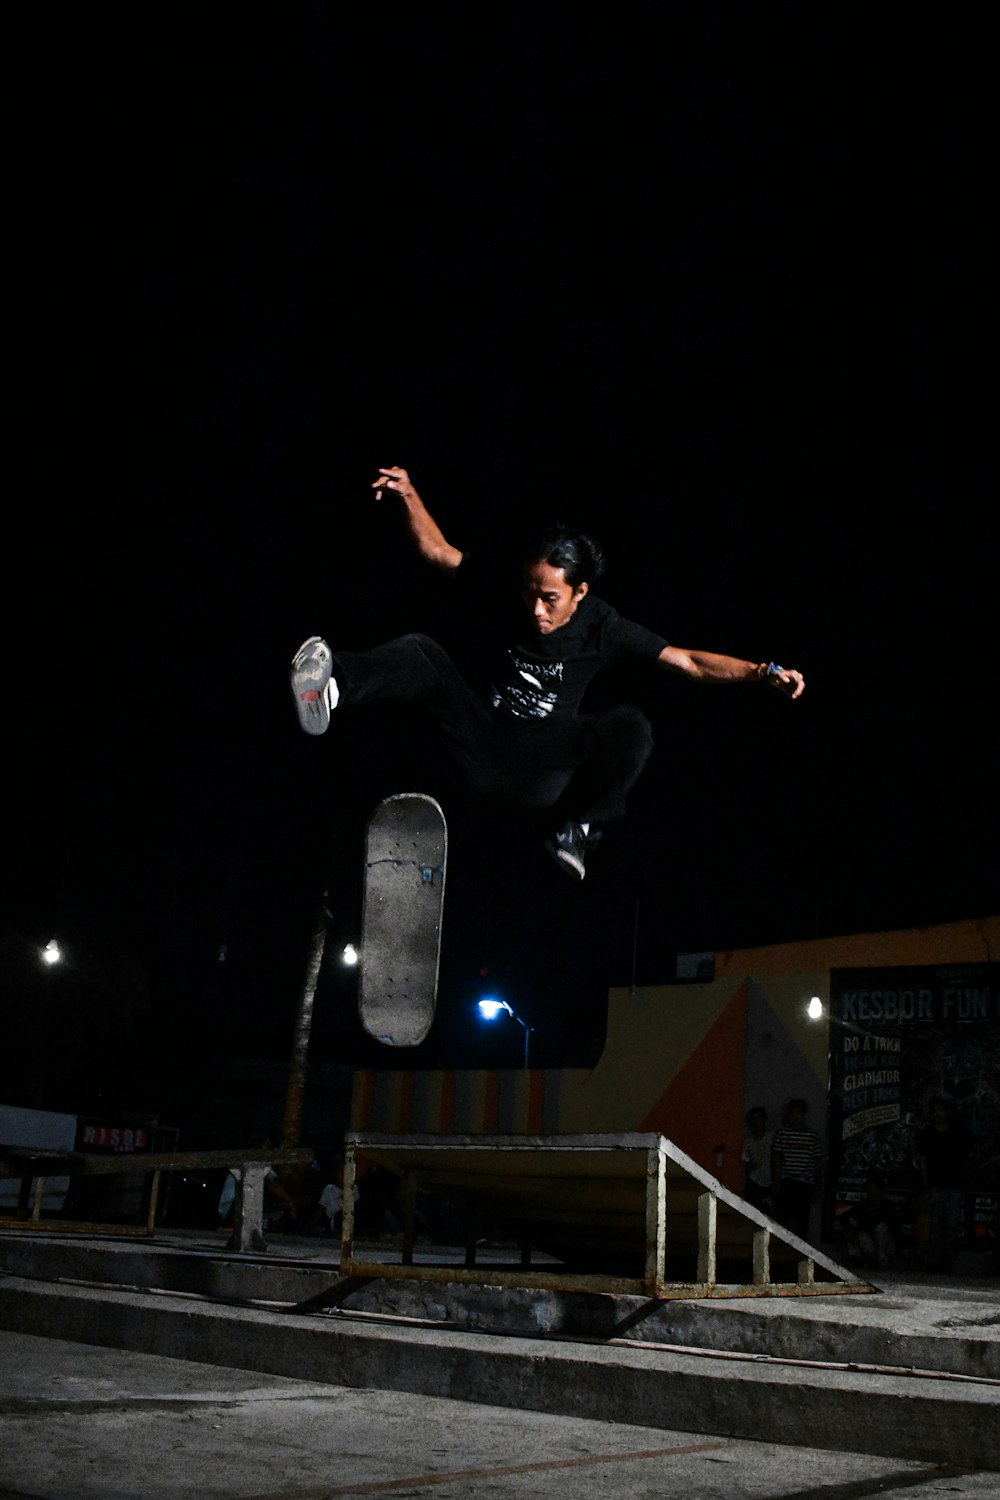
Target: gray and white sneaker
[[569, 848], [314, 686]]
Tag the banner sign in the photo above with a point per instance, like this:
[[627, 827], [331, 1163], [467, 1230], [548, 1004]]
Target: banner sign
[[899, 1039], [93, 1135]]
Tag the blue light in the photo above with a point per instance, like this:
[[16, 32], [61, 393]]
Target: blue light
[[490, 1007]]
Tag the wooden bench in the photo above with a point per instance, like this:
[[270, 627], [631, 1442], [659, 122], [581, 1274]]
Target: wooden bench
[[34, 1164]]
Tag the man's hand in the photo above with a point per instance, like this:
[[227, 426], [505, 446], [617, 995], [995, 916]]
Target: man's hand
[[394, 479], [427, 537], [786, 680]]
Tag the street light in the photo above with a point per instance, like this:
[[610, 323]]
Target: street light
[[814, 1009], [52, 953], [490, 1007]]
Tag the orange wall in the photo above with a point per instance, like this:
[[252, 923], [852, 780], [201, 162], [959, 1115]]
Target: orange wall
[[676, 1056]]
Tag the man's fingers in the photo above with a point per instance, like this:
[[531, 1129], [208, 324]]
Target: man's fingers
[[789, 682], [391, 479]]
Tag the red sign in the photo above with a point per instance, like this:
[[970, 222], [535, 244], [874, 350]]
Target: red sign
[[115, 1138]]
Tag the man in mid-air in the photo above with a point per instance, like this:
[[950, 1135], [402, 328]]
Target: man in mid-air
[[522, 737]]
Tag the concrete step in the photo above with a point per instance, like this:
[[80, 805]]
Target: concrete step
[[918, 1416], [952, 1328]]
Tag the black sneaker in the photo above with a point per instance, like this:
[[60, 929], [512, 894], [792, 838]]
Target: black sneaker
[[569, 846], [314, 687]]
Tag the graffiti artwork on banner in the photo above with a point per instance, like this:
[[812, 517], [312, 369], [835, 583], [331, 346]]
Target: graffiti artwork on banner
[[899, 1039]]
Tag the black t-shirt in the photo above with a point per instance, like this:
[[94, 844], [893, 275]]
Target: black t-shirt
[[534, 677]]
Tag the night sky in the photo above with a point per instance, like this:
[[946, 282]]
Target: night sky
[[717, 281]]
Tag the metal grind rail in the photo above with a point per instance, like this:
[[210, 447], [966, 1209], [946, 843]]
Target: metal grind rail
[[34, 1165], [621, 1213]]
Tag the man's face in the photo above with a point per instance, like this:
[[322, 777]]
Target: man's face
[[551, 601]]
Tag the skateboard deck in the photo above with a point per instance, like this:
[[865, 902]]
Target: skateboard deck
[[406, 847]]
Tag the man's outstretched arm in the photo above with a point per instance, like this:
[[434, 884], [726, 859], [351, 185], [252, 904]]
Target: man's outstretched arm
[[706, 666], [428, 538]]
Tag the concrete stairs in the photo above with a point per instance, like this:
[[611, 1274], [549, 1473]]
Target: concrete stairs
[[911, 1371]]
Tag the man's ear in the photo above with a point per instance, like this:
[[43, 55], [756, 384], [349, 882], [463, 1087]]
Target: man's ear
[[580, 590]]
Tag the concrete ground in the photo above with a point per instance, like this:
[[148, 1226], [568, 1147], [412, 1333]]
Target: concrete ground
[[78, 1422], [173, 1371]]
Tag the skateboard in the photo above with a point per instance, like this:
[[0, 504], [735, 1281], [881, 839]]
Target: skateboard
[[406, 847]]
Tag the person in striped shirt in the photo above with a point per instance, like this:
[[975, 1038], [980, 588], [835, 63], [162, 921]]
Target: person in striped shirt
[[795, 1164]]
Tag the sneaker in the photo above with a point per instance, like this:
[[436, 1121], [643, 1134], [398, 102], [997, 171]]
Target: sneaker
[[569, 846], [314, 686]]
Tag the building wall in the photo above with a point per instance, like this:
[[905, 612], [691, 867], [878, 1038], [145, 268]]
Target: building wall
[[686, 1060]]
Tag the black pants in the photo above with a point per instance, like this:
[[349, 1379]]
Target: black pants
[[585, 764], [793, 1205], [759, 1196]]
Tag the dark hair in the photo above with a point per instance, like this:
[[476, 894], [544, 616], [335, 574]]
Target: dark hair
[[566, 547]]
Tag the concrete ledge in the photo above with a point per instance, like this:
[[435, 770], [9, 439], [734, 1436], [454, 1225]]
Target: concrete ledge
[[915, 1418], [956, 1332]]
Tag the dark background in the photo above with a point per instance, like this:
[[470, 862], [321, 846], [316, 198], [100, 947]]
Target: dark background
[[715, 280]]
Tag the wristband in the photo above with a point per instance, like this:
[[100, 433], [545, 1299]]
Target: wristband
[[768, 669]]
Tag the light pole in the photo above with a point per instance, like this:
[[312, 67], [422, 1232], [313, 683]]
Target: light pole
[[491, 1007]]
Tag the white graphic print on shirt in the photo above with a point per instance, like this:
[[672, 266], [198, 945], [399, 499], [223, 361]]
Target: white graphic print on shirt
[[527, 695]]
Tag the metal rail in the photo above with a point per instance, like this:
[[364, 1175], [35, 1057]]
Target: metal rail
[[33, 1165], [612, 1213]]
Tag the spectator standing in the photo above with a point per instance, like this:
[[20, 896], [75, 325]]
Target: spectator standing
[[756, 1158], [795, 1161], [328, 1218], [942, 1159]]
